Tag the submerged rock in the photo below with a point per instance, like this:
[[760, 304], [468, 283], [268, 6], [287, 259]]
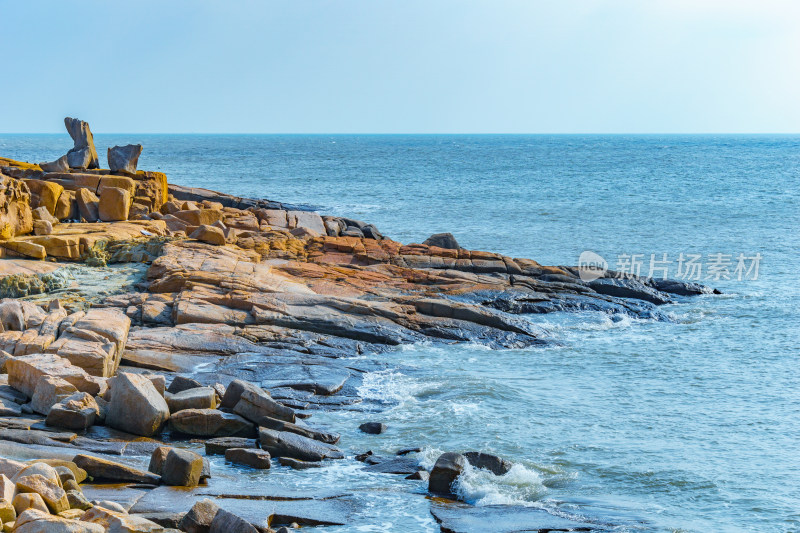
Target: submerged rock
[[494, 464]]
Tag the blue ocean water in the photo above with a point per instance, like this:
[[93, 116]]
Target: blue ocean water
[[690, 425]]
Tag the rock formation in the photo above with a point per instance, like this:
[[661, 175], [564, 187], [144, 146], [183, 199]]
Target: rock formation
[[124, 158], [83, 154]]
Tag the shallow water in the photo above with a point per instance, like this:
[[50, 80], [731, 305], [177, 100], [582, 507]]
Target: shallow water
[[691, 425]]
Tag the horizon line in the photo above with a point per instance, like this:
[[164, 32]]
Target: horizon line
[[410, 133]]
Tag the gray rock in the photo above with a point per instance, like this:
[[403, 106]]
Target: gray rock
[[372, 428], [83, 143], [124, 158], [296, 464], [305, 431], [59, 165], [180, 384], [199, 398], [447, 468], [371, 232], [225, 522], [77, 500], [88, 205], [220, 445], [233, 392], [182, 468], [249, 457], [211, 423], [629, 288], [254, 405], [494, 464], [285, 444], [420, 475], [442, 240], [395, 465], [158, 458], [105, 470], [199, 517]]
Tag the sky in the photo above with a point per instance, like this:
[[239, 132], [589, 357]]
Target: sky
[[401, 66]]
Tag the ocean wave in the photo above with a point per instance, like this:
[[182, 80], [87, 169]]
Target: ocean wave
[[519, 486]]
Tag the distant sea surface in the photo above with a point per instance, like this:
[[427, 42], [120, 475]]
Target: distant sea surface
[[690, 425]]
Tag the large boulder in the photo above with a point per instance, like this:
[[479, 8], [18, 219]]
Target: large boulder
[[497, 465], [233, 393], [38, 521], [136, 406], [447, 468], [182, 468], [124, 158], [44, 194], [219, 446], [83, 153], [50, 490], [249, 457], [114, 204]]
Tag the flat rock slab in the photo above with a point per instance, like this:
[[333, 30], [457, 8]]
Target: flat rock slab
[[319, 379], [261, 512], [394, 465], [123, 494], [462, 518]]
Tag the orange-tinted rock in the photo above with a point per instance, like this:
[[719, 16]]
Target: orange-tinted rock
[[114, 204]]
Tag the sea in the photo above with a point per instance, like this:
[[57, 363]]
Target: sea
[[685, 425]]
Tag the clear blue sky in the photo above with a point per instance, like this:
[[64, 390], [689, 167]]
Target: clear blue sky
[[391, 66]]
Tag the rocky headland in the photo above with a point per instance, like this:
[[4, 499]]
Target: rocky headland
[[228, 323]]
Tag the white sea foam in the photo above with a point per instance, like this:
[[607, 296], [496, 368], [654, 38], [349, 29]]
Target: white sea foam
[[520, 486]]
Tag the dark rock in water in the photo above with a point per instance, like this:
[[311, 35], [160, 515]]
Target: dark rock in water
[[629, 288], [461, 518], [83, 151], [248, 457], [285, 444], [225, 522], [681, 288], [180, 384], [297, 464], [373, 428], [442, 240], [394, 465], [494, 464], [199, 517], [406, 451], [305, 431], [59, 165], [166, 519], [364, 456], [447, 468], [182, 468], [221, 445], [421, 475], [124, 158]]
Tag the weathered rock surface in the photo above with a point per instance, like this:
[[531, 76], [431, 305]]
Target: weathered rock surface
[[198, 398], [114, 204], [135, 405], [494, 464], [249, 457], [124, 158], [182, 468], [285, 444], [83, 153], [225, 522]]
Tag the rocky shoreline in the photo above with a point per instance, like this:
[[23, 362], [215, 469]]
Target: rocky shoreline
[[236, 320]]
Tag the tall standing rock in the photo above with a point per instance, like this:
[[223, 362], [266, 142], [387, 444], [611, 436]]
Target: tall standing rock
[[124, 158], [83, 154]]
